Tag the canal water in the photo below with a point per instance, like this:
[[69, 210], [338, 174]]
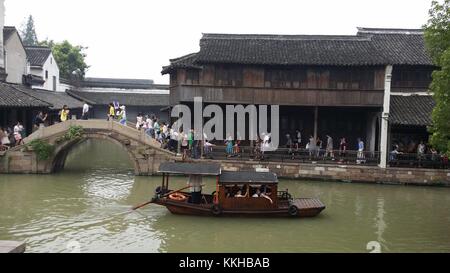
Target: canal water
[[85, 209]]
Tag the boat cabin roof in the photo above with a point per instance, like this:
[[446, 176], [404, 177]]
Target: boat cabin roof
[[190, 168], [248, 177]]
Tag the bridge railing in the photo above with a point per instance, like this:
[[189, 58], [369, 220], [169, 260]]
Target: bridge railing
[[112, 126]]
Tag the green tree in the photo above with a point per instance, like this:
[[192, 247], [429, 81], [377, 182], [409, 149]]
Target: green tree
[[437, 38], [28, 32], [70, 58]]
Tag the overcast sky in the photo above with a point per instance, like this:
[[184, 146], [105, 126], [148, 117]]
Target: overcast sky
[[135, 38]]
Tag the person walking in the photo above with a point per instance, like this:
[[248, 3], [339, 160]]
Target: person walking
[[85, 113], [421, 152], [289, 145], [311, 146], [298, 139], [329, 150], [229, 146], [191, 141], [122, 115], [360, 158], [139, 121], [156, 128], [342, 149], [319, 146], [111, 112], [39, 120], [18, 133], [184, 143], [5, 144], [64, 113]]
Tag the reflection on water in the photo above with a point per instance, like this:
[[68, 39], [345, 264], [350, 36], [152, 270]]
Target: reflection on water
[[88, 205]]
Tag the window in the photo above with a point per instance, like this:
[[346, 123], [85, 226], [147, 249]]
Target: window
[[51, 60], [54, 83], [46, 74], [354, 78], [192, 76], [228, 75], [285, 78], [411, 78]]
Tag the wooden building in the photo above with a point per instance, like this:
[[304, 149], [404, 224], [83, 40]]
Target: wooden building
[[324, 84], [17, 105]]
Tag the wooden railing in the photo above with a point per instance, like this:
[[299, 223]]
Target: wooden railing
[[294, 155], [350, 157]]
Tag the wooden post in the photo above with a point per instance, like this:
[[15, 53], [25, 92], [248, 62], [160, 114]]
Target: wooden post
[[163, 180], [216, 200], [316, 118], [385, 117]]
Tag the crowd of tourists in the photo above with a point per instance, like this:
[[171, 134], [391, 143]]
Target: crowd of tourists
[[317, 148], [10, 137], [420, 153], [188, 144]]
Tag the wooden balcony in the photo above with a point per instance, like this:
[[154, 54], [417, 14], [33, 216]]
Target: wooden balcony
[[276, 96]]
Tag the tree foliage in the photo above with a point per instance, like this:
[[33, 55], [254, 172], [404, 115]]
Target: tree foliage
[[70, 58], [28, 32], [437, 38]]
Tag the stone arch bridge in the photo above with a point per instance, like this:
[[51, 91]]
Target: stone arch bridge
[[145, 153]]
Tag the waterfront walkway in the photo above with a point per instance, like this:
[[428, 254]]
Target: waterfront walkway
[[146, 155]]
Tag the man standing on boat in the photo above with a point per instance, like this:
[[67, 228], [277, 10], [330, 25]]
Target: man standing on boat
[[195, 187]]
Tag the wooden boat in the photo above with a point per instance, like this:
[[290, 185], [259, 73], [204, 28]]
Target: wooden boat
[[259, 191]]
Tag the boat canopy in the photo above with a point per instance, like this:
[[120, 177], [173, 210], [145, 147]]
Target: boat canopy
[[248, 177], [190, 168]]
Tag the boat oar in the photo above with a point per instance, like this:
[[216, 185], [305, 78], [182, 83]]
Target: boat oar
[[142, 205], [152, 201]]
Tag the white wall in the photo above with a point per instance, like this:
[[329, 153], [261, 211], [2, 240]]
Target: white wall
[[53, 70], [51, 66], [122, 90], [2, 24], [15, 59]]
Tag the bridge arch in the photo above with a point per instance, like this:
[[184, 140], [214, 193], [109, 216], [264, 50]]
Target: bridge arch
[[58, 160], [144, 152]]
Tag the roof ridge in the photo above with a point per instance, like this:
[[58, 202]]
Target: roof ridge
[[285, 37], [75, 96], [416, 31], [184, 57], [37, 47]]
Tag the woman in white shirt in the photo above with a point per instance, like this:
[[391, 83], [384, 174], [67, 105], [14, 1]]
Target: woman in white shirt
[[18, 133], [4, 138]]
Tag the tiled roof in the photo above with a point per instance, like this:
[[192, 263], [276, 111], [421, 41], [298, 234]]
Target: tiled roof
[[368, 47], [12, 95], [411, 110], [56, 99], [37, 55], [8, 32], [118, 83], [128, 99], [187, 61]]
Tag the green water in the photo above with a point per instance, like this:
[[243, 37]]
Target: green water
[[81, 209]]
